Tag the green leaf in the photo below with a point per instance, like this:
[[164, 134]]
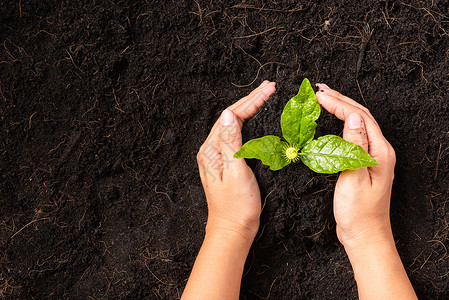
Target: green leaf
[[331, 154], [299, 115], [269, 149]]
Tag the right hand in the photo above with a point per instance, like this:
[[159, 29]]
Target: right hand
[[362, 196]]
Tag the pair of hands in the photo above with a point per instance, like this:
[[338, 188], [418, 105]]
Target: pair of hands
[[362, 196], [361, 204]]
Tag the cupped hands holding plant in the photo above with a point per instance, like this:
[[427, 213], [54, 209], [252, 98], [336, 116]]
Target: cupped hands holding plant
[[361, 199]]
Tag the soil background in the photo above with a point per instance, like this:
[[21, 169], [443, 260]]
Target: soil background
[[104, 105]]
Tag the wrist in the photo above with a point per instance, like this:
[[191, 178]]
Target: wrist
[[379, 272], [369, 244], [360, 251], [366, 235], [242, 232]]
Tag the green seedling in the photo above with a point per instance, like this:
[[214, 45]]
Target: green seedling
[[327, 154]]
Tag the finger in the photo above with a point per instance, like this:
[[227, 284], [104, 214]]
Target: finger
[[342, 110], [248, 98], [324, 88], [246, 107], [378, 146], [230, 138], [253, 93]]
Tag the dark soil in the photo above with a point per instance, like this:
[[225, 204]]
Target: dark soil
[[104, 104]]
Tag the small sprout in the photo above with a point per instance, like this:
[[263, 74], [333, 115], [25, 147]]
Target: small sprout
[[327, 154]]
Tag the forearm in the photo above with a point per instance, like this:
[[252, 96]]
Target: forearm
[[379, 272], [218, 269]]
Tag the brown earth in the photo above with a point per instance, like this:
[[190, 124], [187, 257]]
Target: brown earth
[[104, 104]]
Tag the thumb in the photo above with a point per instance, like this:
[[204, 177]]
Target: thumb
[[230, 137], [355, 132]]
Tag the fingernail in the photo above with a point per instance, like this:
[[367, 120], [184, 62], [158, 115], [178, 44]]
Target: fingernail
[[354, 121], [322, 86], [227, 118]]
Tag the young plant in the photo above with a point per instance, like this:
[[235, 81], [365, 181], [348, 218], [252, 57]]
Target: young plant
[[327, 154]]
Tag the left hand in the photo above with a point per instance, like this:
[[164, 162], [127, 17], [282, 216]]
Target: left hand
[[232, 192]]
